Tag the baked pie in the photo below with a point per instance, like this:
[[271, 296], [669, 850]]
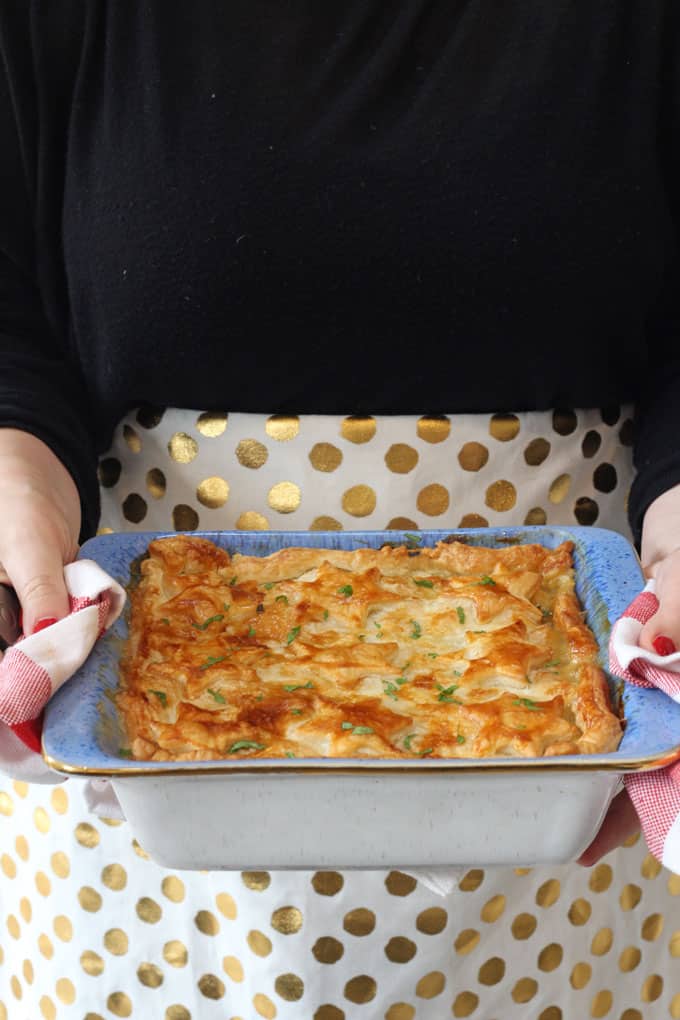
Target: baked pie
[[455, 651]]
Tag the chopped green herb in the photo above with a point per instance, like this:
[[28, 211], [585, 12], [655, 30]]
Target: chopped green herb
[[217, 696], [226, 606], [555, 662], [233, 582], [292, 635], [296, 711], [527, 703], [401, 679], [424, 583], [298, 687], [268, 586], [206, 623], [433, 655], [486, 579], [347, 726], [251, 632], [289, 754], [412, 539], [124, 752], [547, 613], [417, 630], [162, 697], [461, 614], [212, 660], [446, 693], [460, 739], [325, 614], [259, 697], [429, 750], [165, 620], [346, 589], [282, 598], [407, 741], [246, 745], [361, 730], [391, 690], [520, 727]]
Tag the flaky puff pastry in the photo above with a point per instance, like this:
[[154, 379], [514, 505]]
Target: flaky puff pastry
[[457, 651]]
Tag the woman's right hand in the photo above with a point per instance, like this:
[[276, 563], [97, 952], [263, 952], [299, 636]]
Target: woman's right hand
[[39, 526]]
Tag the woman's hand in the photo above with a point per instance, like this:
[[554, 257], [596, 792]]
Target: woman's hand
[[660, 560], [39, 526]]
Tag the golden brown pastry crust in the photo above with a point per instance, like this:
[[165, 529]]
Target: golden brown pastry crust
[[458, 651]]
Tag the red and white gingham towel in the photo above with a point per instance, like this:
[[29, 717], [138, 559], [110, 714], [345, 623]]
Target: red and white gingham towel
[[655, 794], [36, 666]]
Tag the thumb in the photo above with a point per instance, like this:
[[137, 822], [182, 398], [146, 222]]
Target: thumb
[[665, 622], [37, 573]]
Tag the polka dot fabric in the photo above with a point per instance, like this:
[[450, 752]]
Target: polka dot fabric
[[91, 928]]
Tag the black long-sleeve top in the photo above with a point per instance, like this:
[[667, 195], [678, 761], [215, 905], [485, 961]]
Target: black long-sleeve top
[[366, 206]]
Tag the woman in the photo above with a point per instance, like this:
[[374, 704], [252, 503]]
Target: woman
[[431, 229]]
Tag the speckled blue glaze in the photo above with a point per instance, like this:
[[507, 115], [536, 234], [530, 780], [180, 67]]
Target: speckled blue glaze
[[82, 731]]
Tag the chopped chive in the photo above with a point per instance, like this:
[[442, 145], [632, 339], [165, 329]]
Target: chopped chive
[[391, 690], [555, 662], [417, 630], [424, 583], [124, 752], [246, 745], [527, 703], [217, 696], [292, 635], [282, 598], [446, 694], [347, 726], [259, 697], [346, 589], [165, 620], [487, 580], [226, 606], [251, 632], [206, 623], [268, 586], [461, 614], [407, 741], [233, 582], [429, 750], [162, 697], [296, 711], [298, 687], [212, 660], [460, 739], [289, 754], [401, 680], [325, 614], [433, 655], [412, 539], [361, 730]]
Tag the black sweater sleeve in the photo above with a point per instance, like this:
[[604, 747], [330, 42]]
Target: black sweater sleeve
[[41, 391]]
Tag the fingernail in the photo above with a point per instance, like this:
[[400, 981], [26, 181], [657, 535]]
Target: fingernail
[[663, 645], [47, 621]]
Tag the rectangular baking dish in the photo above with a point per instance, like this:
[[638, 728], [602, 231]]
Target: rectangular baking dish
[[365, 813]]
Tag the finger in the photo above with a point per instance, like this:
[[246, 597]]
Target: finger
[[666, 621], [620, 823], [36, 571]]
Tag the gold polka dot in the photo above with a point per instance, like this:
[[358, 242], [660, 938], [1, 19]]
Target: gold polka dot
[[20, 787], [548, 893], [287, 920], [328, 1012], [629, 959], [550, 957], [290, 987], [8, 866], [431, 985], [66, 991], [148, 910], [602, 1003], [564, 422], [134, 508], [504, 427], [59, 800], [471, 880], [357, 429], [523, 926], [91, 963], [652, 927], [524, 990], [600, 878], [175, 953], [359, 922], [49, 1010], [226, 905], [433, 500], [149, 975], [233, 968], [631, 895], [182, 448], [89, 899], [25, 909], [114, 876], [473, 521], [282, 427], [361, 988], [401, 458], [132, 439], [632, 840], [465, 1004], [432, 921], [535, 516], [41, 820], [212, 424], [433, 428], [264, 1006], [325, 523], [473, 456], [493, 909], [559, 488], [213, 492], [536, 452], [674, 1010], [259, 943], [251, 520], [674, 944], [650, 867], [173, 888], [87, 835], [60, 864], [251, 454], [466, 941], [673, 885], [602, 942], [206, 922], [400, 1011], [43, 884], [579, 912], [328, 883], [211, 986], [63, 928], [45, 946], [13, 926], [150, 416], [400, 949], [184, 518], [178, 1012], [399, 884], [258, 881], [492, 971], [325, 457], [116, 941], [6, 804], [359, 500], [15, 985], [580, 975], [119, 1004], [328, 950], [22, 848], [501, 496]]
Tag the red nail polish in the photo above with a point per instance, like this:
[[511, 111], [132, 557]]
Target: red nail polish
[[46, 622], [663, 645]]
